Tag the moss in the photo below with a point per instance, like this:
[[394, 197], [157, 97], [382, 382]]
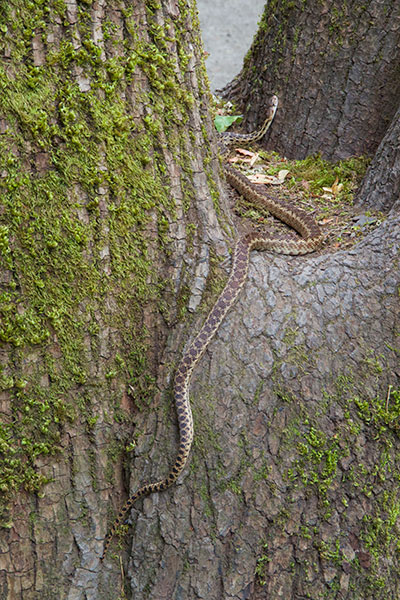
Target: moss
[[320, 174], [316, 465], [262, 564], [81, 180], [318, 470], [267, 27]]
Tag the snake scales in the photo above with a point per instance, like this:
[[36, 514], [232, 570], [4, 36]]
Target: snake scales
[[310, 241]]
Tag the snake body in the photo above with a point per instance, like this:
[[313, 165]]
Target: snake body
[[310, 241]]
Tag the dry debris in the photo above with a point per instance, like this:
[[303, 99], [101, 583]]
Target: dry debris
[[306, 184]]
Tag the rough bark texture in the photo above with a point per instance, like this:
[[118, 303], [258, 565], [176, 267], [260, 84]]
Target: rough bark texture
[[108, 225], [380, 189], [334, 66], [294, 472], [104, 144]]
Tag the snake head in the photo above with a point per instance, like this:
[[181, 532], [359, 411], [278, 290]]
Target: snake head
[[274, 101], [273, 105]]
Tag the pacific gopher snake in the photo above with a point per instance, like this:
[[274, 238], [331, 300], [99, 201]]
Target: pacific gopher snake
[[311, 240]]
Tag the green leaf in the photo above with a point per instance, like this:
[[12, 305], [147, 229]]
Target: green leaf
[[222, 122]]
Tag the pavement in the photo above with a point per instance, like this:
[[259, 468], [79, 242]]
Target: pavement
[[228, 28]]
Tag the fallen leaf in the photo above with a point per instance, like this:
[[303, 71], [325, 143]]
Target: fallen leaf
[[254, 159], [335, 189], [241, 159], [262, 178], [335, 186], [244, 152], [282, 175]]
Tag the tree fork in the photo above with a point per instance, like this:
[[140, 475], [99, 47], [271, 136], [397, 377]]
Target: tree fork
[[334, 67]]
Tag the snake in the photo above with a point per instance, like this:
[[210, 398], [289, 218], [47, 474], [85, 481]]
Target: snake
[[311, 239]]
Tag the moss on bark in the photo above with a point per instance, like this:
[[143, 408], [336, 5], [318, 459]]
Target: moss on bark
[[88, 110]]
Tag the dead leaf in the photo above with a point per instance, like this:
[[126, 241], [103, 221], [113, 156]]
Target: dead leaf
[[254, 159], [244, 152], [335, 186], [282, 175], [335, 189], [263, 178]]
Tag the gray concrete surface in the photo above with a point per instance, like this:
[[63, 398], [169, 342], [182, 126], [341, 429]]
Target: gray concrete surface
[[228, 28]]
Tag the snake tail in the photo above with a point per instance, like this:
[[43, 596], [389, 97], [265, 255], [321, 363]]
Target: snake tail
[[146, 490], [311, 239]]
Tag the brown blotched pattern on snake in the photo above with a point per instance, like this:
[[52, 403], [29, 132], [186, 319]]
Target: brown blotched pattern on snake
[[311, 240]]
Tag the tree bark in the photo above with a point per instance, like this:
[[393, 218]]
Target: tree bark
[[380, 189], [109, 224], [292, 490], [334, 67], [105, 143]]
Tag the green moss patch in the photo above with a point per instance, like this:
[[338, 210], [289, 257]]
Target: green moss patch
[[81, 179]]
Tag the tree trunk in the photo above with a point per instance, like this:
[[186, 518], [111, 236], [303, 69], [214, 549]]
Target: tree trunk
[[334, 66], [380, 189], [293, 487], [110, 224], [108, 214]]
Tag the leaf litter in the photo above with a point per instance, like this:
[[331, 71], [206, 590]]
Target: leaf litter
[[324, 189]]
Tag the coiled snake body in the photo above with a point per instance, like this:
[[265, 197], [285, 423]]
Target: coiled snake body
[[310, 241]]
